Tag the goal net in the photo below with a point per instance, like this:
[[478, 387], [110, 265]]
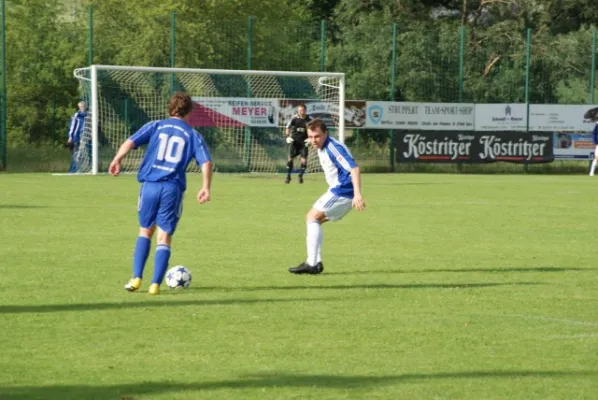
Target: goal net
[[242, 115]]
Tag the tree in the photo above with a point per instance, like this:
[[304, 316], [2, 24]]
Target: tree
[[42, 51]]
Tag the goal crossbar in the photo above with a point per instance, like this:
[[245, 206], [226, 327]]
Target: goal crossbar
[[101, 67]]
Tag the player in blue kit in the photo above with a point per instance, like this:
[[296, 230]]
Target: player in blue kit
[[171, 145], [595, 140], [344, 192], [75, 131]]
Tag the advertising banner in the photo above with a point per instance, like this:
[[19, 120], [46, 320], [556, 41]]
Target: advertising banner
[[562, 117], [469, 147], [573, 146], [234, 111], [500, 117], [420, 116], [326, 111]]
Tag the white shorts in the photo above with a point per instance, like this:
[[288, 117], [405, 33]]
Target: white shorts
[[333, 206]]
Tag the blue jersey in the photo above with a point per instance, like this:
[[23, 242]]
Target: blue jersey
[[76, 126], [595, 134], [337, 163], [171, 145]]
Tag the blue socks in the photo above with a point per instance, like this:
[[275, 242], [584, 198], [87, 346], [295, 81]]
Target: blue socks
[[142, 249], [161, 262]]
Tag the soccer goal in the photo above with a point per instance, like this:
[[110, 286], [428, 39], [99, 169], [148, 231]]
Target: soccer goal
[[241, 114]]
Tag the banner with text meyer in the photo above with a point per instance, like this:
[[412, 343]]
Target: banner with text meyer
[[234, 111]]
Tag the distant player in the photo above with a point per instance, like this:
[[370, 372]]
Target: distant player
[[595, 139], [296, 133], [344, 180], [171, 145], [75, 130]]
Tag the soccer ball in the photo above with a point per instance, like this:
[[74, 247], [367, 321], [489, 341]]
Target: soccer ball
[[178, 277]]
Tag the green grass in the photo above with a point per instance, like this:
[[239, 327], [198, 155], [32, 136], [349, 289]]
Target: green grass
[[446, 287]]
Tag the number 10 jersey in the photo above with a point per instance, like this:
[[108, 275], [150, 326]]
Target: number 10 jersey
[[171, 145]]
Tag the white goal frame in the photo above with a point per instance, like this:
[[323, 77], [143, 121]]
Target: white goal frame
[[91, 74]]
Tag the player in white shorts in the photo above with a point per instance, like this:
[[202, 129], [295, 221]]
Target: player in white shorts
[[344, 192]]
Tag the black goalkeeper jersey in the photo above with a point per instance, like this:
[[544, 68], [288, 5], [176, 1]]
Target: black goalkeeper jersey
[[298, 127]]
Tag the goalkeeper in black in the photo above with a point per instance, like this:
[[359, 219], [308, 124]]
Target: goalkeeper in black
[[296, 133]]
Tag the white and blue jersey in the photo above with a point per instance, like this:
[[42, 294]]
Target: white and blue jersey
[[171, 145], [76, 126], [595, 134], [337, 162]]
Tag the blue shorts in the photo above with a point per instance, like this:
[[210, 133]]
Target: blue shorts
[[160, 203]]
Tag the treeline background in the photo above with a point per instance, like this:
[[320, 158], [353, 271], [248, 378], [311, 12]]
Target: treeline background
[[537, 51]]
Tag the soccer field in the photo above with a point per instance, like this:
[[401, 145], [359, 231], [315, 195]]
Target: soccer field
[[446, 287]]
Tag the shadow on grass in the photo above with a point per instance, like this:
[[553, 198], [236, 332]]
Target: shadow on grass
[[267, 381], [168, 302], [491, 270], [373, 286]]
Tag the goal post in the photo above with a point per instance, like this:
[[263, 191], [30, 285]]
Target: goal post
[[242, 114]]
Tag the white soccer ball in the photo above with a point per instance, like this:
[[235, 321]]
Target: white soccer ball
[[178, 277]]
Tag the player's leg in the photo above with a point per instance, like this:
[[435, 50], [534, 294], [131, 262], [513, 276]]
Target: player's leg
[[140, 254], [161, 258], [315, 236], [71, 159], [88, 153], [147, 207], [313, 264], [594, 162], [292, 154], [289, 169], [77, 157], [169, 214], [304, 154], [329, 207], [73, 153]]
